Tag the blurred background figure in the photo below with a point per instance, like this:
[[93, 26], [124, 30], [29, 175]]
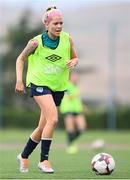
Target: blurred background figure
[[72, 110]]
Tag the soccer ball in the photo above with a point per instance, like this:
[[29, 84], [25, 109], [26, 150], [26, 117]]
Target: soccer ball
[[103, 164]]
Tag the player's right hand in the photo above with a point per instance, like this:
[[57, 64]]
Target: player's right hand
[[20, 88]]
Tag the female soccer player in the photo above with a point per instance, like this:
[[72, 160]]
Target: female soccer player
[[50, 57], [72, 110]]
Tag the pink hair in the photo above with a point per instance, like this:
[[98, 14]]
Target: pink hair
[[49, 15]]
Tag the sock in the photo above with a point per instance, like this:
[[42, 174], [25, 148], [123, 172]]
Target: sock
[[45, 147], [30, 146], [74, 135], [77, 133], [71, 137]]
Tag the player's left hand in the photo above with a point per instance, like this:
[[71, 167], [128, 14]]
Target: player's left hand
[[72, 63]]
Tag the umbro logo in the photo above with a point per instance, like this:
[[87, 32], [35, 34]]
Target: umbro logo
[[53, 57]]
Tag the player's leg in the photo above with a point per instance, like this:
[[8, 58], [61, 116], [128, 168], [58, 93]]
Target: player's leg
[[31, 145], [49, 109], [70, 127], [81, 124], [38, 131], [69, 121]]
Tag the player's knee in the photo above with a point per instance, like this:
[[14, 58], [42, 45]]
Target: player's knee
[[83, 128], [52, 122]]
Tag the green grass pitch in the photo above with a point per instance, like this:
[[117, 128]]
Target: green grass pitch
[[66, 166]]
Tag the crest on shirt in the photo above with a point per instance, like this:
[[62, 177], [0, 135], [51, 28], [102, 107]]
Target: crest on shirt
[[39, 89], [53, 57]]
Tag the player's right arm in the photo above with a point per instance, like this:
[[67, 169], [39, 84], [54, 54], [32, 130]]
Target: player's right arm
[[30, 48]]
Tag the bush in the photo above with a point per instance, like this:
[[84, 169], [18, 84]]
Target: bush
[[95, 119], [123, 118], [22, 119]]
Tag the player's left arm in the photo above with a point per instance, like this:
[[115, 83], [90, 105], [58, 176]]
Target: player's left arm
[[74, 59]]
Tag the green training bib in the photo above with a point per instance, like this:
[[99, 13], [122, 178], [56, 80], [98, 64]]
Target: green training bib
[[47, 67]]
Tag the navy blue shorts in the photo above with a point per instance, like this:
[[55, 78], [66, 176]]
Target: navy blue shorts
[[42, 90], [71, 113]]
